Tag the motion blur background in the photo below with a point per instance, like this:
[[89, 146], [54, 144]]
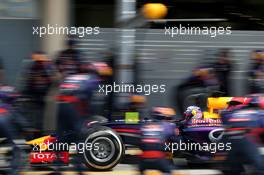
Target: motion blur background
[[161, 59]]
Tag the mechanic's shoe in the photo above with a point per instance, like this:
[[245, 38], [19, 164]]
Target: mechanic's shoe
[[152, 172]]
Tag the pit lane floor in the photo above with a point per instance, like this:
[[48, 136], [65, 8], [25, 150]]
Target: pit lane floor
[[129, 167], [125, 169]]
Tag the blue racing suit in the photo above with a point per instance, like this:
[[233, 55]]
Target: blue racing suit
[[75, 100], [241, 126], [153, 143]]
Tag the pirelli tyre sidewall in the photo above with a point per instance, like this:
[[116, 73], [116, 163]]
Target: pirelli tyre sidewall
[[113, 148]]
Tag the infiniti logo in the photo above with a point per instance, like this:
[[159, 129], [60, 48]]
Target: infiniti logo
[[216, 135]]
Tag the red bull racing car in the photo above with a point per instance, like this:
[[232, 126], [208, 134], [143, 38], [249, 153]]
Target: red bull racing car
[[105, 141]]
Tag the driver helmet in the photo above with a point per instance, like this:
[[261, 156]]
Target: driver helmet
[[193, 112]]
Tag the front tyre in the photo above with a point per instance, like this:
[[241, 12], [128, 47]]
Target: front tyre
[[106, 151]]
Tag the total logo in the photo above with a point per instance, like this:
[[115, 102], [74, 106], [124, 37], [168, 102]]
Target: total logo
[[49, 157]]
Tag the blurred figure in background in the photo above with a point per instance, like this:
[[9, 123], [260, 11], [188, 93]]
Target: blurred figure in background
[[39, 77], [2, 77], [138, 104], [102, 104], [259, 81], [200, 83], [69, 61], [223, 68], [256, 72], [111, 62]]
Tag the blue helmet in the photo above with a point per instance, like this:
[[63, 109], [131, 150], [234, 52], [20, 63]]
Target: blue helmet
[[193, 112]]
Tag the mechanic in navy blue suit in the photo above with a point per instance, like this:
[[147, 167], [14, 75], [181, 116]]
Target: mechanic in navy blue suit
[[69, 61], [76, 91], [74, 108], [76, 102], [256, 68], [39, 77], [77, 97], [6, 130], [241, 125], [154, 136], [11, 124], [223, 68]]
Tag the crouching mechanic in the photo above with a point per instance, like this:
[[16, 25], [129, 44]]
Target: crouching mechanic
[[244, 130], [153, 140]]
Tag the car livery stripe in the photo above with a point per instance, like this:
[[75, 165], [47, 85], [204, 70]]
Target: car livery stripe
[[127, 130]]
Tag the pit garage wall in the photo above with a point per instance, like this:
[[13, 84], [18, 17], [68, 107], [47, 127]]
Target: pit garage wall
[[166, 60], [16, 45]]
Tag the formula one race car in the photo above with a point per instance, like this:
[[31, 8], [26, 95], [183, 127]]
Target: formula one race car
[[107, 140]]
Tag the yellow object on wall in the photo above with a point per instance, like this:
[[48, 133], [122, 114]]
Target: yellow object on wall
[[154, 10]]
